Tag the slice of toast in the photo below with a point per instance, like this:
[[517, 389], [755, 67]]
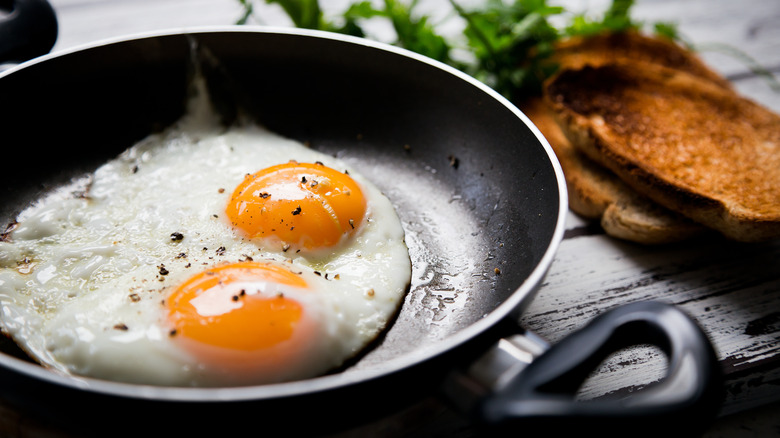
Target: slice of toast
[[594, 191], [688, 143], [630, 45], [597, 193]]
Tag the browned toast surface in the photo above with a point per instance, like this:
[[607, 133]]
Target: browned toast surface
[[610, 47], [594, 191], [687, 142], [597, 193]]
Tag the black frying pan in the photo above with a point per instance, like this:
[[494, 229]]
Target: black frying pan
[[475, 185]]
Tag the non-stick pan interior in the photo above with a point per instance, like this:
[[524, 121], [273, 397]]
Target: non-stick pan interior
[[477, 193]]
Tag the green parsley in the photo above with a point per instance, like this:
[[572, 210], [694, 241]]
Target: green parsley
[[510, 41]]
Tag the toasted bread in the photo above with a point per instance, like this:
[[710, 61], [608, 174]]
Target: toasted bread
[[688, 143], [643, 221], [594, 191], [597, 193], [608, 47]]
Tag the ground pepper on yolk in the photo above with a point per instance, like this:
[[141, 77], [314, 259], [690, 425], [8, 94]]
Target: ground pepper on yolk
[[308, 206]]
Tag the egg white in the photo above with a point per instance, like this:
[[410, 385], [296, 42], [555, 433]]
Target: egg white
[[84, 270]]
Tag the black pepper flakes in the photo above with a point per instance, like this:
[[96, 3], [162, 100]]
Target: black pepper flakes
[[221, 250], [176, 236], [454, 162], [163, 271], [135, 298], [172, 333], [121, 326], [5, 236], [264, 195], [297, 211]]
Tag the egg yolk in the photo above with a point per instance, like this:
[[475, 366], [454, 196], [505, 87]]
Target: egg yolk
[[307, 206], [238, 306]]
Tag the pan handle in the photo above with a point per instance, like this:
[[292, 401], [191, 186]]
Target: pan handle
[[28, 30], [531, 392]]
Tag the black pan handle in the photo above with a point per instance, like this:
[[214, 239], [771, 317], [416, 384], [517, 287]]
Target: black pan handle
[[540, 395], [27, 31]]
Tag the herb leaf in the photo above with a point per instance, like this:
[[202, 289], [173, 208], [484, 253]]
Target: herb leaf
[[303, 13], [510, 41], [415, 33]]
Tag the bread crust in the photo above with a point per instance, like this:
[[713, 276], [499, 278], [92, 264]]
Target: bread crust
[[606, 48], [684, 141], [640, 222]]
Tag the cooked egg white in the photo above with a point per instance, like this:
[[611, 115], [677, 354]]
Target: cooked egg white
[[183, 263]]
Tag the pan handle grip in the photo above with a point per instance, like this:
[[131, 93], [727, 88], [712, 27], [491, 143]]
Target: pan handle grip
[[27, 31], [686, 400]]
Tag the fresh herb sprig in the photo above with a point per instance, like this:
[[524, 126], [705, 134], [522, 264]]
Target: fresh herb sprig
[[510, 41], [413, 32]]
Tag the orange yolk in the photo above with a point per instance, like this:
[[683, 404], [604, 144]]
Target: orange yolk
[[240, 306], [302, 205]]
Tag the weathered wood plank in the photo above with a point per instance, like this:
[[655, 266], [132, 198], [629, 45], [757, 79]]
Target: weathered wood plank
[[750, 26], [730, 289]]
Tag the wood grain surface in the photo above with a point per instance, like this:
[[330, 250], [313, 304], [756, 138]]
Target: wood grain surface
[[732, 290]]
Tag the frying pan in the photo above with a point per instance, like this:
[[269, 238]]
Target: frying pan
[[477, 188]]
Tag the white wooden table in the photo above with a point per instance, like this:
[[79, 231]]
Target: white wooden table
[[732, 290]]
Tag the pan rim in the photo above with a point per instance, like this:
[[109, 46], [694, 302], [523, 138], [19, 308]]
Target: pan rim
[[333, 381]]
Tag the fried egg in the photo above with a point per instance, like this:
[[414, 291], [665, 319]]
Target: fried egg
[[205, 256]]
